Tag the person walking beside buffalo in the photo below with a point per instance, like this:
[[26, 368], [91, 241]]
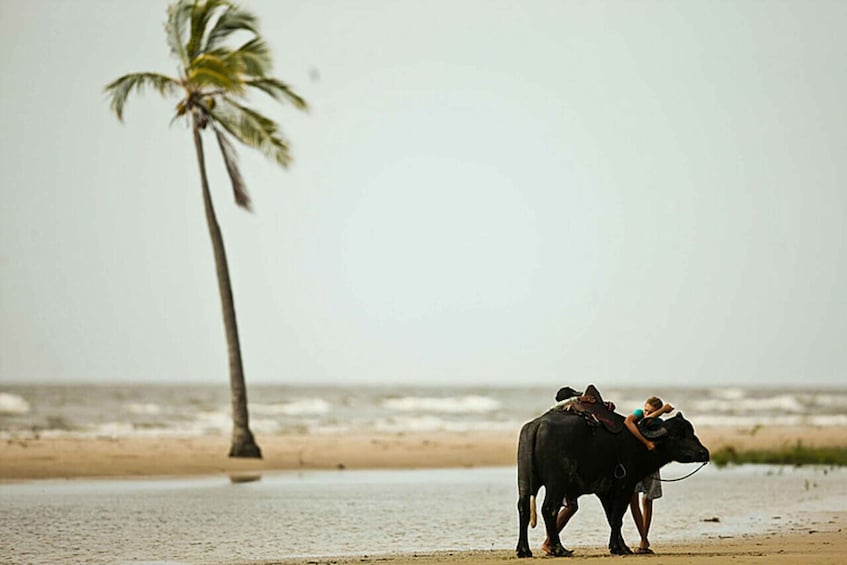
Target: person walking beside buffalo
[[650, 487]]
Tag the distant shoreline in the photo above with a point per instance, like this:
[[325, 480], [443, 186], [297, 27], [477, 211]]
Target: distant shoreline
[[793, 386], [134, 457]]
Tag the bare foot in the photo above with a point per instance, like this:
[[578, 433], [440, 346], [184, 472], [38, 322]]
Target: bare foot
[[562, 552]]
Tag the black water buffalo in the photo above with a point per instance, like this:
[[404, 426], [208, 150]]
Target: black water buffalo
[[561, 452]]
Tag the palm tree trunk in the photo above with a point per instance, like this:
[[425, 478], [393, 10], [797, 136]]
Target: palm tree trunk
[[243, 444]]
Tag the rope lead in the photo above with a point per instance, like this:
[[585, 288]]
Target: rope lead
[[686, 476]]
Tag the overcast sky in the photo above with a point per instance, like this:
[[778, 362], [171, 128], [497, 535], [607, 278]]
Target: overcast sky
[[483, 191]]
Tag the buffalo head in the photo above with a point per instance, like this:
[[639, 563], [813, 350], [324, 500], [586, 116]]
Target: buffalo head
[[680, 443]]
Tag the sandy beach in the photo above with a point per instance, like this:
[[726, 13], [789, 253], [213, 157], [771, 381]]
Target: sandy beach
[[68, 458], [822, 546]]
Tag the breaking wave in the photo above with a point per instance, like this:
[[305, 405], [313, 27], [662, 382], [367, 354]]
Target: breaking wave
[[13, 404], [471, 404], [301, 407], [148, 409]]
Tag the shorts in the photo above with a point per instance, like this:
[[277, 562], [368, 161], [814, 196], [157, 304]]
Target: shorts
[[572, 503], [651, 486]]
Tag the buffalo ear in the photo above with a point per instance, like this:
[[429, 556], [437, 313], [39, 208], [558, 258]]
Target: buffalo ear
[[679, 415]]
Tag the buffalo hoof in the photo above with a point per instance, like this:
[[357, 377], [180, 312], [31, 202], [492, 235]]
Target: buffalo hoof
[[523, 552], [622, 550], [558, 551]]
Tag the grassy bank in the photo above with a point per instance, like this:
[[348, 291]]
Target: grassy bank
[[797, 454]]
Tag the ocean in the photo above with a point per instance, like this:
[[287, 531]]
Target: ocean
[[28, 411]]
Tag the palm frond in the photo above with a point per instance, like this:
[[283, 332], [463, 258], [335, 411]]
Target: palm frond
[[179, 14], [231, 20], [210, 70], [231, 161], [254, 56], [120, 89], [201, 15], [215, 76], [278, 90], [252, 129]]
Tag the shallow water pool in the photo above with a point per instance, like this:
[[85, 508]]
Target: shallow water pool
[[322, 513]]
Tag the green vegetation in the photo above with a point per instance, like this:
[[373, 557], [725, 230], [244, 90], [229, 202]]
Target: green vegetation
[[789, 455]]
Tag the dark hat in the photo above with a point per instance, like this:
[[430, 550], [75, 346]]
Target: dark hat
[[652, 428], [566, 392]]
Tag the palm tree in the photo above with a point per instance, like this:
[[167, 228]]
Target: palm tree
[[215, 77]]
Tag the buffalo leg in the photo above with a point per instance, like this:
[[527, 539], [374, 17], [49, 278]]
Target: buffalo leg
[[615, 508], [524, 502], [550, 511]]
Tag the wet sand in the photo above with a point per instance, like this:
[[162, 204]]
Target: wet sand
[[67, 458], [824, 546]]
